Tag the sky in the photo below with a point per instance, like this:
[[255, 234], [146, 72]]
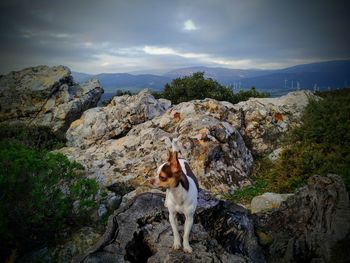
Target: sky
[[155, 36]]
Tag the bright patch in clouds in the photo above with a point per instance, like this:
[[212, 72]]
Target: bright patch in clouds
[[201, 57], [189, 25], [152, 50]]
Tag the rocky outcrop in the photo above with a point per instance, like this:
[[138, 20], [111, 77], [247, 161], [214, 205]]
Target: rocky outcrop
[[263, 121], [45, 96], [125, 141], [115, 120], [214, 148], [140, 232], [308, 225]]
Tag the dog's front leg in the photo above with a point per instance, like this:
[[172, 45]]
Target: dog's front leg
[[173, 223], [187, 230]]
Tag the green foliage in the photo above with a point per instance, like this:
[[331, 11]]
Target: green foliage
[[320, 145], [247, 193], [36, 137], [157, 94], [38, 189], [123, 92], [197, 87]]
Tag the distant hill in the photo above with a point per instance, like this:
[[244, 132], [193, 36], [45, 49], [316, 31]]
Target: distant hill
[[124, 81], [81, 77], [225, 76], [322, 75]]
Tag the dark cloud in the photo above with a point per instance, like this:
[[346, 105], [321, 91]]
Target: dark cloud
[[97, 36]]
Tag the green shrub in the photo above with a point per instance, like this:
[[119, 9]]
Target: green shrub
[[36, 137], [321, 145], [37, 191], [197, 87]]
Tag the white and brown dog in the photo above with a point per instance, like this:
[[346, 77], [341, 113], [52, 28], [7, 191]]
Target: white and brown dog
[[181, 194]]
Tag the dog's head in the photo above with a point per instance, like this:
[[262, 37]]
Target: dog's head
[[169, 174]]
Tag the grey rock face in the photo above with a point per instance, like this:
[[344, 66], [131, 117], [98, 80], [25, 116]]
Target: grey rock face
[[140, 232], [45, 96], [115, 120], [309, 224]]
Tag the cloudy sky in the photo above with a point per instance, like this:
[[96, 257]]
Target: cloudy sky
[[159, 35]]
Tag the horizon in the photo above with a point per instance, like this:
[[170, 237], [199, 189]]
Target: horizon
[[211, 67], [155, 37]]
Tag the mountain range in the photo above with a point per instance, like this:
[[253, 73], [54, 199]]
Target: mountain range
[[321, 76]]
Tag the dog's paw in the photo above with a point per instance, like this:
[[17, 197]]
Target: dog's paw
[[177, 245], [187, 249]]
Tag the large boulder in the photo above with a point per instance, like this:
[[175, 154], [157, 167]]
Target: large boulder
[[267, 201], [214, 148], [140, 232], [263, 121], [115, 120], [45, 96], [310, 225]]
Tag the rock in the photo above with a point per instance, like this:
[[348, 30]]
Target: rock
[[77, 244], [45, 96], [275, 155], [215, 149], [114, 202], [263, 121], [102, 210], [267, 201], [116, 119], [309, 224], [140, 232]]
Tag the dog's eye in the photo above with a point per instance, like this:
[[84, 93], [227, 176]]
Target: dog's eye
[[162, 178]]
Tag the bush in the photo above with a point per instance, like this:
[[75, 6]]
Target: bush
[[321, 145], [197, 87], [37, 191], [35, 137]]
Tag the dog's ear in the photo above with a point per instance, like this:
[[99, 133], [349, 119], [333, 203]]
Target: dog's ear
[[168, 152], [174, 163]]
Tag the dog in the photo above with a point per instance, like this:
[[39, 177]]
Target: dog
[[181, 194]]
